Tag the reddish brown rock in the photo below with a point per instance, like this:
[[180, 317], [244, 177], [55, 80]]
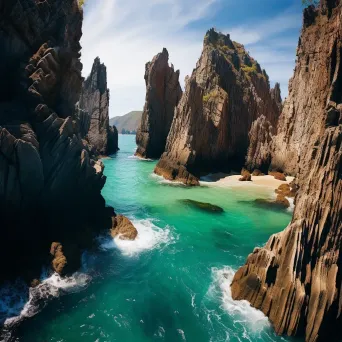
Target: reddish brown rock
[[225, 94], [278, 175], [286, 190], [296, 278], [94, 111], [59, 260], [246, 176], [123, 228], [163, 93]]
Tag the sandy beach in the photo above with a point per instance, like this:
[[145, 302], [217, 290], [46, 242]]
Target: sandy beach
[[224, 180]]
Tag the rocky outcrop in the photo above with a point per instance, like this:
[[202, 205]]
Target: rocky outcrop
[[94, 111], [163, 93], [50, 181], [123, 228], [308, 91], [260, 142], [225, 94], [296, 279]]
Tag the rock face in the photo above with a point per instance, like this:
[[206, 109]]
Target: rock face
[[163, 93], [50, 181], [308, 91], [94, 111], [260, 141], [296, 279], [225, 94]]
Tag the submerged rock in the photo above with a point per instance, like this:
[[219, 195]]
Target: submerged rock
[[226, 92], [280, 202], [163, 93], [123, 228], [203, 206]]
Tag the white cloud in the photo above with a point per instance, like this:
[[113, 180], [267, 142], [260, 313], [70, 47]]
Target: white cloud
[[126, 34]]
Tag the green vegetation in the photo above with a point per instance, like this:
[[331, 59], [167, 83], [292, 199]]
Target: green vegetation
[[213, 94], [129, 122], [81, 3], [249, 69]]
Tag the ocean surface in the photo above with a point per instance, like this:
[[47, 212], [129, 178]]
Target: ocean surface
[[172, 283]]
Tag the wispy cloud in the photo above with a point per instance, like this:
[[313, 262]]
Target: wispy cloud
[[126, 34]]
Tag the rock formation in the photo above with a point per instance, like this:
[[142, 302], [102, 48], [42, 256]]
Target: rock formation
[[163, 93], [296, 279], [94, 109], [225, 94], [50, 181], [123, 228]]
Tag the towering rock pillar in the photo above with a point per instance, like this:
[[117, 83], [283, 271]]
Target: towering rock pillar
[[224, 95], [296, 279], [94, 111], [163, 93]]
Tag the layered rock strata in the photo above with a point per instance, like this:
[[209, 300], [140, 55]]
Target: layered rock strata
[[225, 94], [296, 278], [94, 111], [50, 181], [163, 92]]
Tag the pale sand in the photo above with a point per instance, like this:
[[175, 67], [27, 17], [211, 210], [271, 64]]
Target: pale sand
[[223, 180]]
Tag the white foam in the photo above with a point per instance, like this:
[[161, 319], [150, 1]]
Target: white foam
[[49, 288], [149, 236], [140, 158], [292, 205], [162, 180], [241, 312]]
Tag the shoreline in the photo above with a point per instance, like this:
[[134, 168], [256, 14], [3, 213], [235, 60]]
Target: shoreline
[[229, 181]]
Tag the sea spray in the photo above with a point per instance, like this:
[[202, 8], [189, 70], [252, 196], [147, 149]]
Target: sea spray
[[16, 305], [149, 236]]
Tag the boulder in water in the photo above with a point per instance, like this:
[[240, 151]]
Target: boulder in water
[[123, 228], [280, 202], [203, 206]]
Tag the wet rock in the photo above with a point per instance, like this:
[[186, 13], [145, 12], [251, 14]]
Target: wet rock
[[280, 202], [211, 208], [123, 228], [286, 190]]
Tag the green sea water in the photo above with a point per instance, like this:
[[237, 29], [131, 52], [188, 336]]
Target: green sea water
[[172, 283]]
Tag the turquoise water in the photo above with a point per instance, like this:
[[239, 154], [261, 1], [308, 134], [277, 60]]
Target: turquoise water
[[172, 284]]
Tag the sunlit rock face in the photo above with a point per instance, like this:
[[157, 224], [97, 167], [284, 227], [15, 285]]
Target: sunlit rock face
[[225, 94], [296, 278]]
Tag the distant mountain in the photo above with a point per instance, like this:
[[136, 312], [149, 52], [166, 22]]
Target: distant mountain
[[128, 123]]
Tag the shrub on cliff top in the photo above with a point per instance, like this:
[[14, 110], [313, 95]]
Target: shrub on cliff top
[[81, 3]]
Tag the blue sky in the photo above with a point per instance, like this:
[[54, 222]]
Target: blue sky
[[126, 34]]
